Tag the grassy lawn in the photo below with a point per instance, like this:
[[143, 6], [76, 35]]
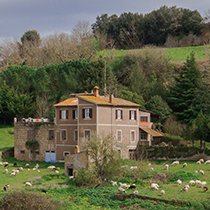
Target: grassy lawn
[[6, 139]]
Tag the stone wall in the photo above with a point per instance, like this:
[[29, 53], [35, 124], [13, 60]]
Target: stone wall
[[40, 131]]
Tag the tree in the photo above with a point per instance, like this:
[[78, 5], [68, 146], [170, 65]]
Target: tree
[[200, 128], [31, 36], [182, 98], [157, 105], [102, 151]]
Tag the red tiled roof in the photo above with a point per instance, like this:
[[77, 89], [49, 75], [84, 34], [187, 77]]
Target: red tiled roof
[[104, 100], [68, 102]]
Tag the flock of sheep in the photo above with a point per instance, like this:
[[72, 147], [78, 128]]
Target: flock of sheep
[[16, 171], [155, 186]]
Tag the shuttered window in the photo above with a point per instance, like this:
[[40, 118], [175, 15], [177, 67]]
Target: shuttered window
[[87, 113], [64, 114], [119, 114], [132, 115]]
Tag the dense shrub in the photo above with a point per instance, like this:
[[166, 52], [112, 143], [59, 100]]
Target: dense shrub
[[20, 200]]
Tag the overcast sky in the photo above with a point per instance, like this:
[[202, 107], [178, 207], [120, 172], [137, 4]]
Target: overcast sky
[[51, 16]]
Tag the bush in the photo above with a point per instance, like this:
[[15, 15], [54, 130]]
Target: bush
[[20, 200]]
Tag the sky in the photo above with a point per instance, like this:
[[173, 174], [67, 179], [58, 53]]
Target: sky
[[56, 16]]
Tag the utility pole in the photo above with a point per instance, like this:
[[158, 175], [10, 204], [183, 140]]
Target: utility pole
[[105, 80]]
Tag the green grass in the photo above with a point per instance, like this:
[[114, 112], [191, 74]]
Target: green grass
[[6, 139], [179, 54]]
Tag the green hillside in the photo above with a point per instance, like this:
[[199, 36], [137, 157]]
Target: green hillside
[[178, 54]]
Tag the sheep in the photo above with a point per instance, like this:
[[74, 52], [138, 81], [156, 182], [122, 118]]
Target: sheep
[[1, 164], [113, 183], [14, 164], [151, 169], [38, 170], [196, 172], [197, 182], [191, 182], [13, 174], [125, 166], [166, 167], [133, 186], [51, 167], [136, 192], [175, 162], [149, 164], [6, 171], [28, 169], [28, 184], [198, 162], [201, 172], [207, 162], [179, 182], [44, 191], [57, 168], [154, 186], [201, 160], [184, 165], [27, 165], [20, 168], [6, 165], [133, 167], [71, 177], [124, 185], [185, 188], [162, 192], [57, 172], [205, 189], [5, 187], [121, 189], [203, 184]]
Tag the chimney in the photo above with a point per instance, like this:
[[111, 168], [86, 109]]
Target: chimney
[[96, 91], [111, 98]]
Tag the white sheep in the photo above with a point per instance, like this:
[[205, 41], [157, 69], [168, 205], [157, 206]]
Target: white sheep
[[1, 164], [5, 163], [197, 182], [149, 164], [121, 189], [13, 174], [28, 169], [201, 172], [38, 170], [207, 162], [51, 167], [203, 184], [198, 162], [71, 177], [133, 167], [151, 169], [125, 166], [185, 188], [184, 165], [201, 160], [20, 168], [136, 192], [57, 172], [175, 162], [179, 182], [162, 192], [6, 171], [154, 186], [191, 182], [28, 184], [27, 165], [124, 185], [166, 167], [113, 183]]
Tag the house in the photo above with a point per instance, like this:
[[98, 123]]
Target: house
[[76, 118]]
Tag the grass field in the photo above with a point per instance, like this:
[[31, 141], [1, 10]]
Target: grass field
[[72, 196], [178, 54]]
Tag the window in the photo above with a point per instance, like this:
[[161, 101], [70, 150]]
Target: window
[[132, 115], [75, 114], [51, 134], [22, 152], [64, 114], [87, 113], [87, 134], [63, 135], [119, 135], [144, 119], [144, 135], [66, 153], [119, 114], [30, 134], [75, 135], [37, 152], [133, 135]]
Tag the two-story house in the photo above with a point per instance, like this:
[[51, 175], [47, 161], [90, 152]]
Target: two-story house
[[76, 118]]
